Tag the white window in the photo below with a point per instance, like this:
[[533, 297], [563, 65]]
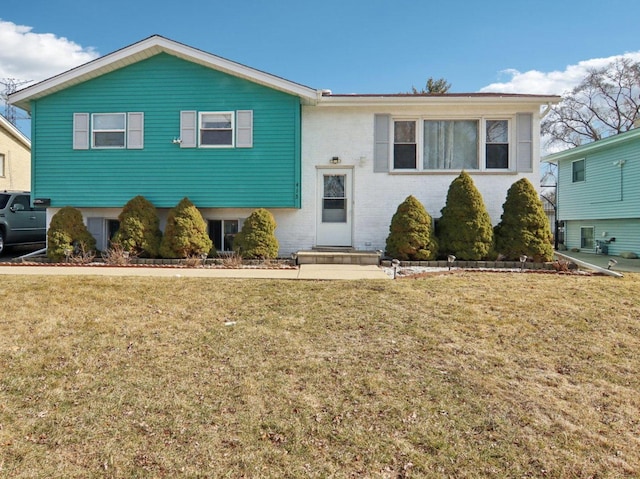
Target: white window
[[2, 167], [217, 129], [497, 144], [404, 144], [452, 144], [108, 130]]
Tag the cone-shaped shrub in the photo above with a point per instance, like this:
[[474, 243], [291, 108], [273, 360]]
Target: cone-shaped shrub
[[465, 229], [68, 232], [524, 228], [186, 232], [139, 231], [257, 238], [411, 233]]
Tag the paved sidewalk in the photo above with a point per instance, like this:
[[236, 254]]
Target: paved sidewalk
[[307, 271], [602, 261]]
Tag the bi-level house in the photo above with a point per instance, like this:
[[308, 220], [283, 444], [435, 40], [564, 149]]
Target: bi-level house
[[165, 120], [598, 198]]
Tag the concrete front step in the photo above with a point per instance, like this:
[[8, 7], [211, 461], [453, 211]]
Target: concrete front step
[[338, 257]]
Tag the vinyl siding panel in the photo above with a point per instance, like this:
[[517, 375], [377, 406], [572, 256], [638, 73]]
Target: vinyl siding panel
[[266, 175], [609, 191], [625, 231]]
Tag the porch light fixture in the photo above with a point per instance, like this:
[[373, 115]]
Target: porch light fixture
[[335, 160], [450, 259], [395, 263], [611, 263], [523, 260]]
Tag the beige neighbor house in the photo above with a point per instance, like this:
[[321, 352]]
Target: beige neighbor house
[[15, 158]]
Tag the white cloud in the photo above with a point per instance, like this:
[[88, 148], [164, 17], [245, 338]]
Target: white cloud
[[29, 56], [551, 83]]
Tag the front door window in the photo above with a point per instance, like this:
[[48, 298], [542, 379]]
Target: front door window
[[334, 201]]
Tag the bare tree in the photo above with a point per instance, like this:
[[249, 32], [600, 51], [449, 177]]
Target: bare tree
[[605, 103], [438, 86]]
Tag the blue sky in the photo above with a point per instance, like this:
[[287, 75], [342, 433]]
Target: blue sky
[[348, 46]]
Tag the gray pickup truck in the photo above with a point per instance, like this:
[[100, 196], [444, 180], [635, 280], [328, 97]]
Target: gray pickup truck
[[20, 223]]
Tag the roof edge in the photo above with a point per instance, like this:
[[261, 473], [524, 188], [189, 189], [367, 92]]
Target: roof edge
[[13, 130], [443, 98], [148, 47], [592, 147]]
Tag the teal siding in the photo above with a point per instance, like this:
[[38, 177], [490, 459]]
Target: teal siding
[[267, 175], [625, 231], [609, 191]]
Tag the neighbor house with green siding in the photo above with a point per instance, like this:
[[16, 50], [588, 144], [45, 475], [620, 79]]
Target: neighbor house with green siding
[[598, 197], [166, 121]]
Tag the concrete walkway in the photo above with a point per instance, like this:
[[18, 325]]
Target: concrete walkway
[[307, 271], [622, 265]]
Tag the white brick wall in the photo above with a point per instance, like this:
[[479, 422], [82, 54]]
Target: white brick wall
[[348, 133]]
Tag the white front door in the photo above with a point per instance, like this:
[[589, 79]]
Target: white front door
[[334, 223]]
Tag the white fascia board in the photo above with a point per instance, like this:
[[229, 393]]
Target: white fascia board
[[13, 131], [150, 47], [533, 102], [594, 146]]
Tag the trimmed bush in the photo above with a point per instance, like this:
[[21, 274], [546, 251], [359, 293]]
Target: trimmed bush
[[257, 238], [524, 228], [186, 232], [139, 231], [68, 232], [465, 228], [411, 234]]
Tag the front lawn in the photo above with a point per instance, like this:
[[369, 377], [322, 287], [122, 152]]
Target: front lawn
[[466, 375]]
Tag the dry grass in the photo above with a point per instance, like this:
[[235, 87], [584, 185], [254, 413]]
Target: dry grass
[[469, 375]]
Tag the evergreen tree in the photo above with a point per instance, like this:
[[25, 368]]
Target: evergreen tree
[[139, 231], [465, 229], [67, 232], [411, 233], [186, 232], [524, 228], [433, 87], [257, 238]]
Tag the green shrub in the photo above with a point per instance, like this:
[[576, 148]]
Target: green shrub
[[186, 232], [411, 233], [465, 229], [524, 228], [139, 231], [68, 232], [257, 238]]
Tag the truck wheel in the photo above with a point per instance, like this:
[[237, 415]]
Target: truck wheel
[[1, 241]]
